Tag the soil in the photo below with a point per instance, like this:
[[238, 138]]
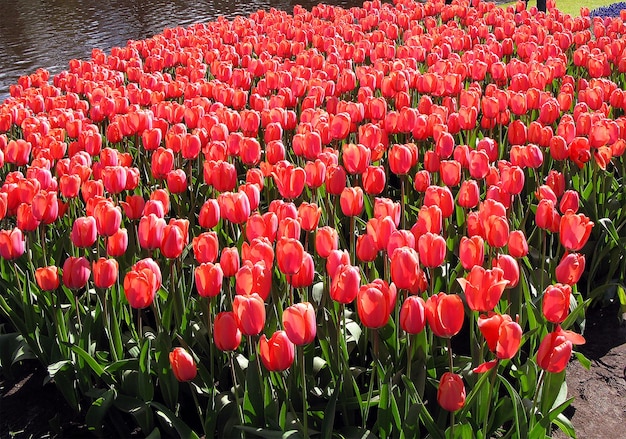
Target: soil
[[30, 409]]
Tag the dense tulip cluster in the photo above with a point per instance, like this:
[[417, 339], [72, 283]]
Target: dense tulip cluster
[[271, 182]]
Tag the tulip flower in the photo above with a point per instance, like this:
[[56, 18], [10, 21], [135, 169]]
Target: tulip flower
[[304, 277], [209, 214], [84, 232], [570, 269], [404, 267], [502, 334], [76, 272], [574, 230], [254, 278], [205, 247], [432, 250], [141, 285], [183, 365], [351, 201], [483, 288], [445, 314], [326, 240], [226, 333], [175, 239], [209, 278], [299, 323], [12, 244], [105, 272], [229, 261], [451, 392], [471, 251], [413, 315], [510, 269], [555, 349], [518, 247], [345, 284], [249, 313], [375, 302], [150, 231], [108, 218], [47, 278], [555, 303], [277, 353]]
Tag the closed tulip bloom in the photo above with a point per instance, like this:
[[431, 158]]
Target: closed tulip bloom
[[151, 265], [483, 288], [299, 323], [413, 315], [209, 214], [209, 278], [445, 314], [375, 303], [84, 232], [183, 365], [366, 248], [117, 243], [226, 333], [105, 272], [229, 261], [335, 179], [545, 214], [254, 278], [570, 269], [289, 255], [205, 247], [175, 239], [555, 303], [277, 353], [289, 179], [47, 278], [356, 158], [133, 206], [326, 240], [249, 313], [502, 334], [569, 201], [351, 201], [289, 228], [260, 249], [441, 197], [451, 392], [234, 206], [108, 218], [374, 180], [345, 284], [150, 231], [176, 181], [404, 267], [471, 251], [76, 272], [432, 250], [429, 219], [469, 194], [140, 286], [162, 163], [574, 230], [12, 244], [304, 277], [450, 171], [496, 231], [45, 207], [518, 247], [309, 216], [335, 260], [555, 350], [400, 158], [509, 266]]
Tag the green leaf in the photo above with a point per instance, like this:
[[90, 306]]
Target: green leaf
[[270, 434], [93, 365], [565, 425], [424, 414], [357, 433], [584, 361], [329, 415], [183, 430], [253, 395], [520, 422], [98, 411]]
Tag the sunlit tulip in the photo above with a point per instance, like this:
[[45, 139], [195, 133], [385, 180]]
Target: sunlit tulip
[[289, 255], [510, 269], [209, 214], [47, 278], [304, 277], [84, 232], [226, 333], [299, 323], [351, 201], [574, 230], [76, 272], [150, 231], [502, 334], [254, 278], [483, 288], [117, 243], [108, 218], [518, 247], [432, 250], [229, 261], [413, 315], [105, 272], [12, 244], [471, 251], [570, 269], [208, 278], [404, 267], [249, 313], [182, 364], [277, 353], [133, 206], [205, 247], [345, 284], [555, 303], [445, 314], [451, 392], [555, 350]]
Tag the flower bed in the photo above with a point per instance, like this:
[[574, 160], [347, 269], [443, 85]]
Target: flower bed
[[339, 222]]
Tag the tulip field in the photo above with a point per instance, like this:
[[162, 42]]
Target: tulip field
[[383, 221]]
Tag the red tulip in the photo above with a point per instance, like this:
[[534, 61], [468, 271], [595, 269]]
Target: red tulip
[[12, 244], [162, 163], [117, 243], [335, 260], [133, 206], [432, 250], [400, 159], [76, 272], [150, 231], [45, 207], [226, 333], [384, 207], [105, 272], [108, 218], [209, 278], [574, 230], [289, 255], [496, 231], [205, 247], [471, 251], [441, 197], [47, 278], [254, 278], [183, 365], [374, 180], [289, 179], [209, 214], [304, 277], [299, 323], [413, 315], [234, 206], [451, 392], [176, 181], [503, 335], [366, 248], [546, 214], [375, 303], [141, 283], [555, 350], [510, 269], [555, 303], [518, 247], [259, 250], [309, 215], [229, 261], [570, 269], [114, 179], [483, 288], [351, 201], [569, 201], [335, 179], [249, 313], [84, 232], [345, 284], [277, 353], [356, 158], [429, 220], [445, 314], [404, 267]]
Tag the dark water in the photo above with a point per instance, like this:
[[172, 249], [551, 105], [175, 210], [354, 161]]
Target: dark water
[[48, 33]]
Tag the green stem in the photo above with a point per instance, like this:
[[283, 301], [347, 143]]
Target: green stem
[[198, 408], [305, 403], [494, 374], [232, 369]]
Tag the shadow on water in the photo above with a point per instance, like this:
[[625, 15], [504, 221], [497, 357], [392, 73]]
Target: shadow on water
[[48, 33]]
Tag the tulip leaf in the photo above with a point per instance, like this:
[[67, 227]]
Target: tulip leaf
[[168, 385], [357, 433], [174, 421], [584, 361], [424, 415], [329, 415], [93, 365], [519, 414], [253, 395], [98, 411], [270, 434], [565, 425]]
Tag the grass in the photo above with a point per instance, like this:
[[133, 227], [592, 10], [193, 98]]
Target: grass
[[571, 7]]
